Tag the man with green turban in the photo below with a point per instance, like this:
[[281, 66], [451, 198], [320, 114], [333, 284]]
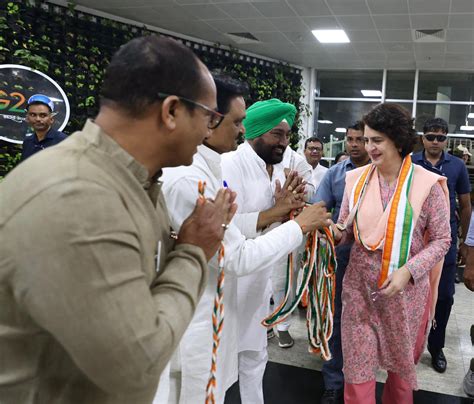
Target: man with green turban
[[253, 172]]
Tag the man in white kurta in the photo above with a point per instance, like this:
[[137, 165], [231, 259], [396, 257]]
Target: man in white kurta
[[189, 369], [313, 151], [253, 171]]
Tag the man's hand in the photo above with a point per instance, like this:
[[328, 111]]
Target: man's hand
[[205, 226], [314, 217], [462, 253], [469, 269], [289, 197], [396, 282]]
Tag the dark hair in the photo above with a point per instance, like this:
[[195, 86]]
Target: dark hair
[[435, 125], [357, 125], [339, 155], [396, 123], [313, 139], [145, 66], [228, 88]]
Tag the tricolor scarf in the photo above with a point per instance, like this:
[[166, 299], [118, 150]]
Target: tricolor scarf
[[396, 240], [319, 281]]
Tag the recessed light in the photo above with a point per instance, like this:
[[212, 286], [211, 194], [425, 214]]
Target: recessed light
[[465, 127], [324, 121], [331, 35], [341, 130], [371, 93]]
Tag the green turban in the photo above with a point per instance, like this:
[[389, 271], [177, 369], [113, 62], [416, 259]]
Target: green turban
[[263, 116]]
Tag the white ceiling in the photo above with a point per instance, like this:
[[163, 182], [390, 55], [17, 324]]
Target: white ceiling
[[379, 30]]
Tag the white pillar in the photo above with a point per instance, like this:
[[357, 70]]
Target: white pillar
[[307, 98]]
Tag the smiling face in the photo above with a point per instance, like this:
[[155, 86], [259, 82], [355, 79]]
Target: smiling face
[[313, 153], [225, 137], [381, 149], [271, 145], [190, 124]]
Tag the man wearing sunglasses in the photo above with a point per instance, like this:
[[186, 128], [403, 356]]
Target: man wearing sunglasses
[[435, 158], [96, 290], [40, 117]]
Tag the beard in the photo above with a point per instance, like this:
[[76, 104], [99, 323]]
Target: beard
[[268, 153]]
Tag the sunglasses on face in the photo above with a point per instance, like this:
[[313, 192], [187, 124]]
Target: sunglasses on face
[[215, 118], [432, 138]]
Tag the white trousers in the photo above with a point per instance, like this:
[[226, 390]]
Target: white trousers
[[251, 369], [278, 286]]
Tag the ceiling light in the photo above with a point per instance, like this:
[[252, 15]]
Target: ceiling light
[[371, 93], [331, 35], [341, 130], [324, 121], [471, 115], [465, 127]]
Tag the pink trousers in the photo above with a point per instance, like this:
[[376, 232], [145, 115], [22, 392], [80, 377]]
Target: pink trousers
[[396, 391]]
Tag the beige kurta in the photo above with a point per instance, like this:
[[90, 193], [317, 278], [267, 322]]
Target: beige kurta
[[84, 318]]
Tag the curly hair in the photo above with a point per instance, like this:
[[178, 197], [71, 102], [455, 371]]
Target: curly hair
[[396, 123]]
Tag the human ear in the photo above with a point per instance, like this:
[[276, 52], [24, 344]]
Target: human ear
[[170, 111]]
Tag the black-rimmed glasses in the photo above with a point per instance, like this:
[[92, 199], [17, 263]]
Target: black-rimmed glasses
[[439, 138], [215, 118]]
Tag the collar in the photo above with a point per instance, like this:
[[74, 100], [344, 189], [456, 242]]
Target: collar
[[212, 159], [96, 136], [49, 135], [348, 163], [250, 152], [445, 158]]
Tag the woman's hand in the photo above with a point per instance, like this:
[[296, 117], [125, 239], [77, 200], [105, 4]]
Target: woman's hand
[[337, 231], [396, 282]]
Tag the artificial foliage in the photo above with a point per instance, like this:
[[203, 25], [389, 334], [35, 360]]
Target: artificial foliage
[[74, 48]]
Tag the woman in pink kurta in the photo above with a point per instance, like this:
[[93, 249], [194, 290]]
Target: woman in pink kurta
[[382, 326]]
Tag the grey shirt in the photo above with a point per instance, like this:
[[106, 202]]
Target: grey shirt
[[84, 316]]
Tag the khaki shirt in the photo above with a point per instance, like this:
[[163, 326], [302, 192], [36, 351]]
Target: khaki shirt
[[84, 317]]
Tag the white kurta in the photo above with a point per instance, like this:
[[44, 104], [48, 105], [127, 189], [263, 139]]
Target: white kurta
[[246, 173], [317, 175], [295, 161], [242, 257]]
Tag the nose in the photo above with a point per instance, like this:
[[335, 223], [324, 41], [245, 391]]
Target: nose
[[242, 129]]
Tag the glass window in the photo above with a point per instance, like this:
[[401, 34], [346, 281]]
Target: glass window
[[400, 85], [333, 117], [455, 115], [446, 86], [347, 84]]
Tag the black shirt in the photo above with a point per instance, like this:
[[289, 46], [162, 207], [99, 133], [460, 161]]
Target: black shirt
[[32, 145]]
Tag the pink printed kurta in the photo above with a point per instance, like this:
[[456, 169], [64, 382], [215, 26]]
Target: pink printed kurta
[[382, 333]]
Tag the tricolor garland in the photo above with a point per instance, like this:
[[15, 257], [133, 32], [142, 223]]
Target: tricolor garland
[[319, 278], [217, 315], [399, 230]]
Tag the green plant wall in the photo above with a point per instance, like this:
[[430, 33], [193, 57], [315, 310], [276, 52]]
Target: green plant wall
[[74, 48]]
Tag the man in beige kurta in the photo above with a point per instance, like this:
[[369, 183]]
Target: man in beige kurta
[[95, 294]]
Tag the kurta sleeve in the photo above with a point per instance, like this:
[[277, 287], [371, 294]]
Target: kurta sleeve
[[246, 222], [86, 285], [243, 256], [438, 234]]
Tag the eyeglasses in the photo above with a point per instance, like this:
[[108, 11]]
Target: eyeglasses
[[439, 138], [215, 118], [311, 149]]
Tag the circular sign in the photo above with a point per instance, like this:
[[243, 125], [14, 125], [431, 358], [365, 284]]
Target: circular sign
[[17, 84]]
